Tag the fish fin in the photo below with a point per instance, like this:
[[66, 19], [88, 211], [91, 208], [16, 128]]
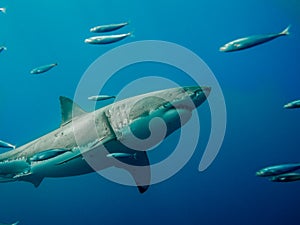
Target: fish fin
[[142, 177], [31, 178], [69, 109], [36, 181], [139, 168], [132, 34], [15, 223], [4, 47], [286, 31]]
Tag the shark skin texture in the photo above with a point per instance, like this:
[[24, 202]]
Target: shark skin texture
[[87, 142]]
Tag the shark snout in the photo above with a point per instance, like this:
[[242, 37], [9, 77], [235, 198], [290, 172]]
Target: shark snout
[[198, 89], [198, 94], [205, 90]]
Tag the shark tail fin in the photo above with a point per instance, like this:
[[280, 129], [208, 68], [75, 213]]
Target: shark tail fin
[[16, 223], [286, 31]]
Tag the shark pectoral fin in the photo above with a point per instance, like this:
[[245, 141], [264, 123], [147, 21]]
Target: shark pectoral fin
[[139, 168], [142, 177], [16, 223]]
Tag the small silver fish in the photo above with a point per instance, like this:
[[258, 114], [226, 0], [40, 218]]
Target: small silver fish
[[292, 105], [251, 41], [108, 28], [287, 177], [278, 169], [100, 97], [4, 144], [107, 39], [119, 155], [43, 69], [48, 154]]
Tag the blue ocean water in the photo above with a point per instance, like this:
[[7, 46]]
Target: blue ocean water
[[256, 83]]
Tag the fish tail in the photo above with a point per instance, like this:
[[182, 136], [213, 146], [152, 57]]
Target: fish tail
[[3, 10], [131, 34], [286, 31], [4, 47]]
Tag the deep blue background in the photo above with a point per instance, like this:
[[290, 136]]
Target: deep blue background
[[256, 84]]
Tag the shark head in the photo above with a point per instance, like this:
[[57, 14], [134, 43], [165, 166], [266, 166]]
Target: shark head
[[139, 123], [156, 114]]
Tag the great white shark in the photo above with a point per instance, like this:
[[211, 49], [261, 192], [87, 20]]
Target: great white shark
[[87, 142]]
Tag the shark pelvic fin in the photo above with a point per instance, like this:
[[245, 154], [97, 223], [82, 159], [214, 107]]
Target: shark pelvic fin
[[69, 109], [36, 181]]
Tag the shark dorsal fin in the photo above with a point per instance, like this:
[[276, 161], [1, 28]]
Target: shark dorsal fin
[[69, 109]]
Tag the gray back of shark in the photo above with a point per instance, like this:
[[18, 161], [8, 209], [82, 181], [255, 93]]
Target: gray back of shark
[[82, 142]]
